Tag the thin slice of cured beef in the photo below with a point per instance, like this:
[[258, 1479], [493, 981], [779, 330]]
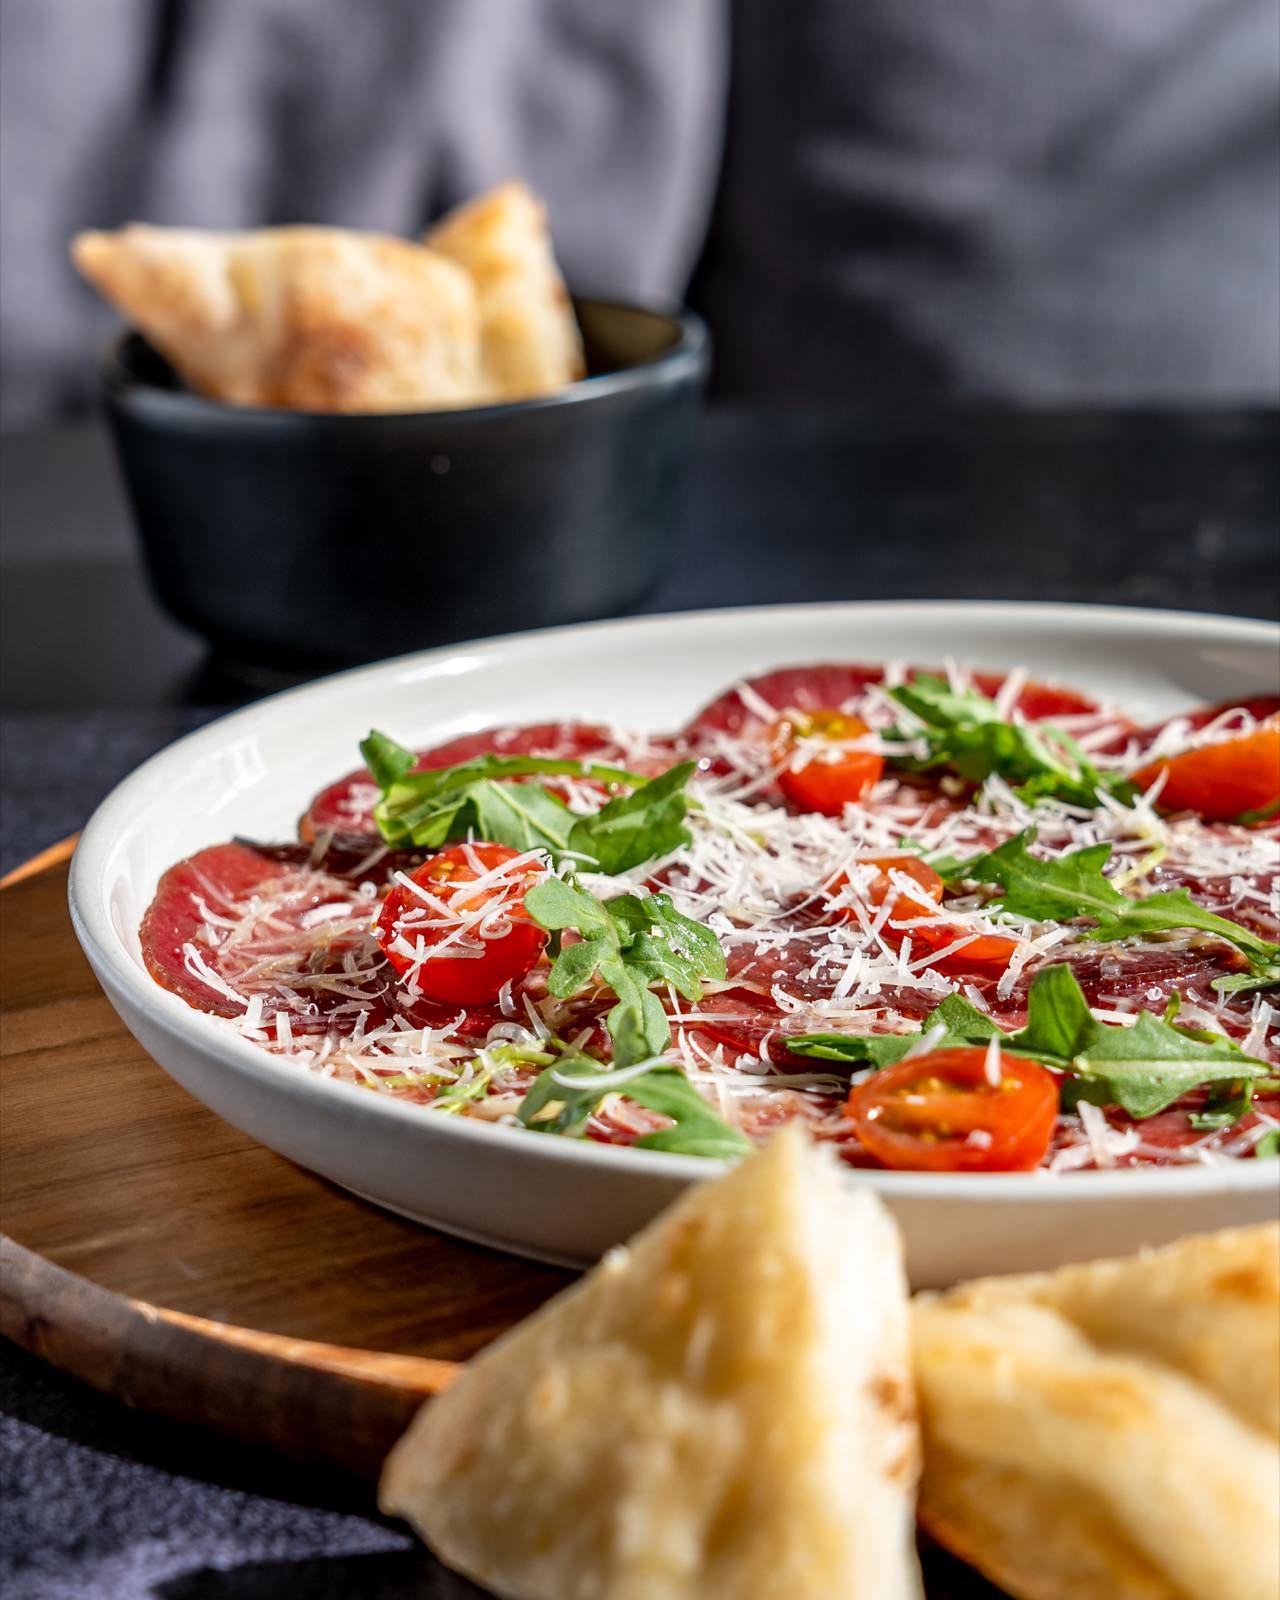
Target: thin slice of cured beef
[[283, 925], [835, 684], [218, 879], [289, 926], [741, 1021], [1136, 742], [1160, 1136]]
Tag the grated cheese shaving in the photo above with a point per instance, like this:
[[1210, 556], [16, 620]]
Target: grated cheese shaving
[[789, 898]]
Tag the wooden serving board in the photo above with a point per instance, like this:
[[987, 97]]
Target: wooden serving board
[[151, 1250], [158, 1254]]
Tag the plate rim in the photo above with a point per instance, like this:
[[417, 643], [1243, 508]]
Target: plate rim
[[189, 1028]]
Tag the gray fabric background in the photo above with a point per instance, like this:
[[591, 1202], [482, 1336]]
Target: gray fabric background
[[1053, 201], [1065, 200]]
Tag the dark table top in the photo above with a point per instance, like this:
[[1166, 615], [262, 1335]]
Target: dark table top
[[1175, 510], [1178, 510]]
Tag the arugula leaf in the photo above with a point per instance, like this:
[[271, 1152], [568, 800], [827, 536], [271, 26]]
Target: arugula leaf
[[385, 759], [937, 704], [961, 1019], [961, 1024], [964, 730], [1145, 1068], [1265, 977], [575, 964], [558, 904], [1142, 1068], [1227, 1104], [523, 815], [636, 827], [861, 1049], [1074, 886], [697, 1130], [457, 1095], [562, 1099], [478, 797], [1059, 1022], [665, 947], [637, 1025], [553, 1106], [1268, 1147], [632, 941], [429, 809]]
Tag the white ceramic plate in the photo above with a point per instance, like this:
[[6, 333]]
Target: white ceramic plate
[[252, 773]]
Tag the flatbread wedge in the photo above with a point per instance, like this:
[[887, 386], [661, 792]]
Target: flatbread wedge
[[1111, 1431], [316, 319], [529, 338], [722, 1408]]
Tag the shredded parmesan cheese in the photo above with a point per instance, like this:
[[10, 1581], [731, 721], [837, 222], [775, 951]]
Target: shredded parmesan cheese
[[789, 897]]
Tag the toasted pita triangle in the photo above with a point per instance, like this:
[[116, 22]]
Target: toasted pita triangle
[[721, 1409], [1111, 1429], [317, 319], [529, 339]]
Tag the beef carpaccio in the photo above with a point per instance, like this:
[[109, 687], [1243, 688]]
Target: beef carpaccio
[[953, 920]]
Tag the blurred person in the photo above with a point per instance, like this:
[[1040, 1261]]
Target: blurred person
[[878, 202], [1071, 201]]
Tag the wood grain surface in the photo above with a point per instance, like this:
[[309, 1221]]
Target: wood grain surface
[[186, 1239]]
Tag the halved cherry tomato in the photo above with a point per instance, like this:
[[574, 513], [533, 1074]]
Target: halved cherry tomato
[[436, 941], [882, 886], [987, 955], [815, 779], [1221, 781], [941, 1112]]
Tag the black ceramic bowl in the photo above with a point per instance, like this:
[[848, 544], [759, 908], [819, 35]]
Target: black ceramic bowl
[[305, 541]]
